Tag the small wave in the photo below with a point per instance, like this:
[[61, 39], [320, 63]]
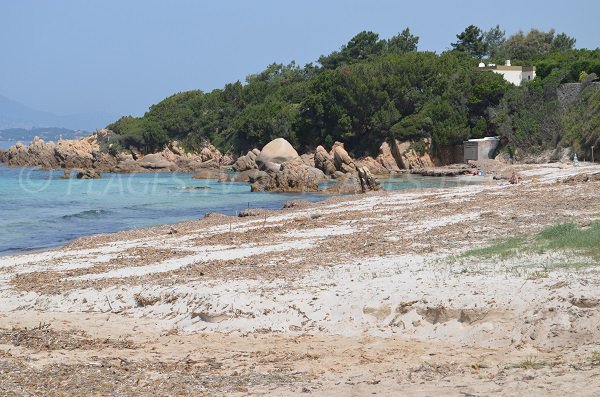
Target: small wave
[[88, 214]]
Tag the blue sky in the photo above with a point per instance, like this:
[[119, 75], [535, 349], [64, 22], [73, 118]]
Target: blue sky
[[121, 56]]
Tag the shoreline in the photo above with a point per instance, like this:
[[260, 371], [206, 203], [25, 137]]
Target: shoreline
[[357, 294], [321, 194], [327, 196]]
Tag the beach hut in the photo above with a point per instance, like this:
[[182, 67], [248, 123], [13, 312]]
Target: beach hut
[[480, 149]]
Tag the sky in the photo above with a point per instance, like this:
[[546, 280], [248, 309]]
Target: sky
[[121, 56]]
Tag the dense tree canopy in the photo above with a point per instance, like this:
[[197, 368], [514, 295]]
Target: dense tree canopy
[[531, 46], [373, 89]]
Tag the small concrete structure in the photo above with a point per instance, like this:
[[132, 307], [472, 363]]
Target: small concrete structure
[[513, 74], [479, 149]]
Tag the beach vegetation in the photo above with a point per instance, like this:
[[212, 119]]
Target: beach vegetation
[[562, 237], [503, 249], [595, 359], [529, 363]]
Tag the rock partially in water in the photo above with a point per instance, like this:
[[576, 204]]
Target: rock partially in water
[[367, 181], [361, 181], [293, 176], [129, 166], [88, 174], [209, 173], [250, 176], [67, 154]]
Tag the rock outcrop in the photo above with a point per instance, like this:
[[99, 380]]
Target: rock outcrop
[[157, 162], [250, 176], [88, 174], [210, 173], [408, 158], [86, 153], [452, 170], [82, 153], [367, 181], [277, 167], [247, 162], [274, 154], [208, 157], [227, 159], [293, 176], [362, 181], [372, 165], [341, 159], [128, 166], [323, 161], [211, 153], [386, 158], [309, 159]]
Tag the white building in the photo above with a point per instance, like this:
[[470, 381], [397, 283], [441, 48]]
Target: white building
[[480, 149], [513, 74]]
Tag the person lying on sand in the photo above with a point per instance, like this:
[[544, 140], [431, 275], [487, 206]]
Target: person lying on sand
[[514, 178]]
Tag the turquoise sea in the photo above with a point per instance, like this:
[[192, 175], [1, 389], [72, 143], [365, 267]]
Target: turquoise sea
[[38, 209]]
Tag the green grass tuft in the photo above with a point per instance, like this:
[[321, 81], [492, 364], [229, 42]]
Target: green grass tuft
[[501, 249], [558, 238], [567, 236]]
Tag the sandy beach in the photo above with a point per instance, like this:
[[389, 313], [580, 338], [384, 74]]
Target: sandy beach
[[371, 294]]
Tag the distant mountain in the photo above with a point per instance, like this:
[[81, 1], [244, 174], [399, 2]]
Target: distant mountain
[[14, 114]]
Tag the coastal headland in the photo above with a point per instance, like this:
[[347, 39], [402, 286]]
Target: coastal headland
[[276, 167]]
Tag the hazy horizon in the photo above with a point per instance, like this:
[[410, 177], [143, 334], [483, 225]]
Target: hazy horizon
[[72, 57]]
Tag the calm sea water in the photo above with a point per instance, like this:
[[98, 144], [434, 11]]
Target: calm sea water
[[38, 209], [6, 144]]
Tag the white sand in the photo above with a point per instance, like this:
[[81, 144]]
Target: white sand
[[384, 268]]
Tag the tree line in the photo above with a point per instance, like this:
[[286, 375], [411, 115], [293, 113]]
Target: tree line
[[373, 89]]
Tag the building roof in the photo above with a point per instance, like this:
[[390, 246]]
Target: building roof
[[487, 138], [503, 68]]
